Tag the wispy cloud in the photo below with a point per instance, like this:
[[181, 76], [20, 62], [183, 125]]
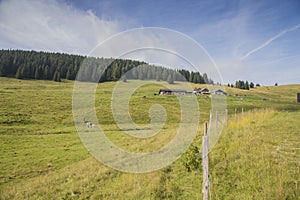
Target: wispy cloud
[[51, 26], [269, 41]]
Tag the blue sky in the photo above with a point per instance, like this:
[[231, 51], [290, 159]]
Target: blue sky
[[249, 40]]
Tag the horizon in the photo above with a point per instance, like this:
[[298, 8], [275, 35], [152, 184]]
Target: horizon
[[253, 41]]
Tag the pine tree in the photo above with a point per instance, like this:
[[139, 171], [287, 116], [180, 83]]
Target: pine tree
[[170, 79], [69, 74], [164, 75], [19, 73], [116, 72], [134, 73], [56, 76], [237, 84], [157, 76], [197, 78], [191, 78], [37, 73], [247, 86], [149, 73], [205, 78], [141, 75]]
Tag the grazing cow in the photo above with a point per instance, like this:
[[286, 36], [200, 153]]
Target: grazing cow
[[88, 124]]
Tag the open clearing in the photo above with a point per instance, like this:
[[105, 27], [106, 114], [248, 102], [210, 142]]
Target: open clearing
[[42, 157]]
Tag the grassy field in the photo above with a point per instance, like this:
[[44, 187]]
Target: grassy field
[[42, 157]]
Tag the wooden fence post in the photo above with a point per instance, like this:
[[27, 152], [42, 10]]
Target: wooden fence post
[[205, 185], [242, 112]]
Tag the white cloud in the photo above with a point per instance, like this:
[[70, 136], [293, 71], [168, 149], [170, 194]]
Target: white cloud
[[51, 26], [56, 26]]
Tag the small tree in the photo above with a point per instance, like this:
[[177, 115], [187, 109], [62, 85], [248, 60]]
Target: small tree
[[251, 85], [191, 159], [276, 84]]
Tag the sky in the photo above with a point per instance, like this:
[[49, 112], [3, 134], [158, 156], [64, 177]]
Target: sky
[[253, 40]]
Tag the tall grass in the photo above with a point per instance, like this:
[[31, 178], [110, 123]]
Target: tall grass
[[258, 157]]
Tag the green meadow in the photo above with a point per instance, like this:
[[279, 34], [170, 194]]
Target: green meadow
[[42, 156]]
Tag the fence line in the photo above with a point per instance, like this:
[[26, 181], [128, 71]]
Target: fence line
[[205, 149]]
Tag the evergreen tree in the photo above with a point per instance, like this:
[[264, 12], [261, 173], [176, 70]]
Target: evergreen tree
[[116, 72], [237, 84], [37, 73], [134, 73], [170, 79], [191, 78], [164, 75], [242, 85], [47, 74], [205, 78], [247, 86], [157, 76], [56, 76], [69, 74], [141, 75], [196, 78], [19, 73], [149, 73]]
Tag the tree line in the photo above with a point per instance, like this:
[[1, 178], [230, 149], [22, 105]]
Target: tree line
[[245, 85], [23, 64]]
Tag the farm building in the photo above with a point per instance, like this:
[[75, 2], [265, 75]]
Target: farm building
[[198, 91], [219, 92], [171, 92], [205, 91]]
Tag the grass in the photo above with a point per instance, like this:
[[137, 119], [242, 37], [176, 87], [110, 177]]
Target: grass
[[42, 156], [260, 157]]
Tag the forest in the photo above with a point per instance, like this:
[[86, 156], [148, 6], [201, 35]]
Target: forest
[[24, 64]]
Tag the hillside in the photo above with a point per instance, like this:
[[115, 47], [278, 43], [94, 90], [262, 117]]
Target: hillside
[[42, 156]]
